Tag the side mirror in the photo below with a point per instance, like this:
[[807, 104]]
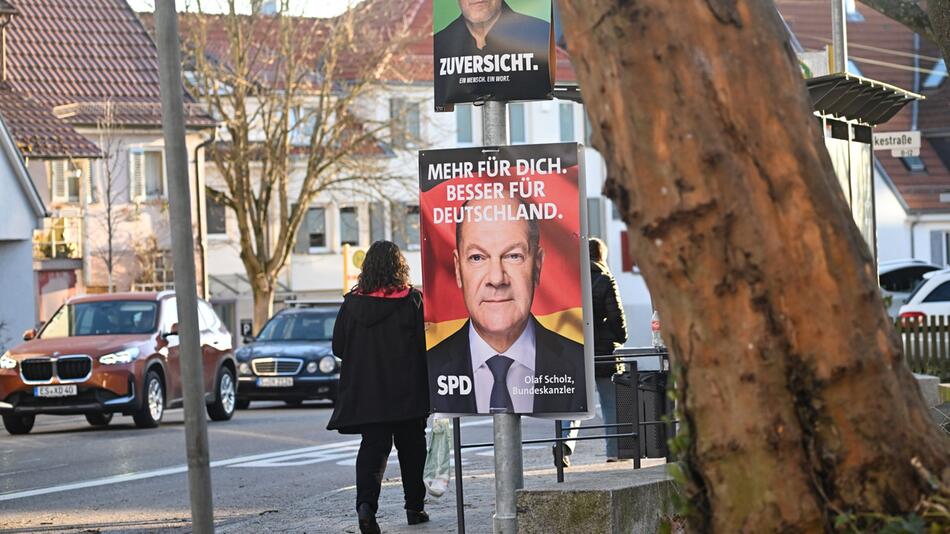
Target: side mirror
[[29, 334], [248, 339], [173, 331]]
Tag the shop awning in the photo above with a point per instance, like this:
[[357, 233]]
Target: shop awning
[[858, 99]]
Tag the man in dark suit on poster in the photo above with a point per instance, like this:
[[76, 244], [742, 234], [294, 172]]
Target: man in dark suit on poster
[[503, 360], [512, 50]]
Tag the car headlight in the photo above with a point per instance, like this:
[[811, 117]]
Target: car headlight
[[312, 367], [327, 364], [244, 368], [119, 357], [6, 362]]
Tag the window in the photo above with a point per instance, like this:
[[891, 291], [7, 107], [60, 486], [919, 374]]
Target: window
[[940, 293], [64, 181], [377, 222], [316, 229], [156, 271], [412, 226], [302, 122], [404, 123], [937, 75], [463, 123], [405, 224], [914, 164], [146, 174], [567, 121], [217, 217], [119, 317], [349, 226], [516, 126]]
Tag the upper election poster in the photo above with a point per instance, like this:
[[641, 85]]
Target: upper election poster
[[501, 268], [492, 50]]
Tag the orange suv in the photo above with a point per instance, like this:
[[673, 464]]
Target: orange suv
[[116, 353]]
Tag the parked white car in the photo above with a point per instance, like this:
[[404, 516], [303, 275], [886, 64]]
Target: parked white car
[[899, 278], [931, 298]]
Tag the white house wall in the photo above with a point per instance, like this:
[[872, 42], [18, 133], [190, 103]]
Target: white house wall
[[893, 230]]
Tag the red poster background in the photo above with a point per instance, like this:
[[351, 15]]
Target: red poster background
[[559, 288]]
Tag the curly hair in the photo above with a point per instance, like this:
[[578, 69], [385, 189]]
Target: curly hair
[[383, 268]]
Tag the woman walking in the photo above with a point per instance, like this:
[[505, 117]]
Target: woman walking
[[379, 335]]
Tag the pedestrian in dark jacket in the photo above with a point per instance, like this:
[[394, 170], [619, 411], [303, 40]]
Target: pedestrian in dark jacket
[[610, 333], [379, 335]]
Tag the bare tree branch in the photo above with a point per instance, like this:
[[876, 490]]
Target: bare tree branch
[[907, 12]]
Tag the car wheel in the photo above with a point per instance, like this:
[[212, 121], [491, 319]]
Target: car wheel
[[99, 419], [19, 424], [153, 405], [242, 404], [225, 399], [293, 402]]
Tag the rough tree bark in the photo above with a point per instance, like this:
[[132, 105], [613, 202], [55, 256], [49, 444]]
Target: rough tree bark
[[790, 376]]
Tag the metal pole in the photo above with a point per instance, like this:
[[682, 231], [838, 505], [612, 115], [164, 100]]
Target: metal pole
[[509, 468], [183, 257], [459, 498], [839, 36], [559, 450]]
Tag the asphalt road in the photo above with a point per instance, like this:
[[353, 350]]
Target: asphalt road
[[68, 476]]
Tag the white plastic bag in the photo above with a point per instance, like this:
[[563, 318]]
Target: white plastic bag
[[438, 470]]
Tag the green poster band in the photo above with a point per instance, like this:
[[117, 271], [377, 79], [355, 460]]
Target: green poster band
[[445, 11]]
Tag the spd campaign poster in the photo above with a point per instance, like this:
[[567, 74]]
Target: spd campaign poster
[[505, 271], [492, 50]]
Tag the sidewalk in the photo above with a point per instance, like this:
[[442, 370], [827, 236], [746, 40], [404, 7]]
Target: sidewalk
[[335, 511]]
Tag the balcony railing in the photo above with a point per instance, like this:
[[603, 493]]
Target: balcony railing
[[60, 238]]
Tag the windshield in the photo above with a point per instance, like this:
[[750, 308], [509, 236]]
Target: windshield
[[108, 317], [309, 326]]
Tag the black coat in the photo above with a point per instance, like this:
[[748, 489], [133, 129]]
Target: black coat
[[610, 324], [556, 355], [383, 376]]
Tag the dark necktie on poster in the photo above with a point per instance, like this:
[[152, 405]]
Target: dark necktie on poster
[[500, 401]]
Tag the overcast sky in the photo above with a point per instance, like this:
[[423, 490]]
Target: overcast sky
[[312, 8]]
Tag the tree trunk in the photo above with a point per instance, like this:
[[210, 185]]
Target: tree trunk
[[789, 373], [263, 303]]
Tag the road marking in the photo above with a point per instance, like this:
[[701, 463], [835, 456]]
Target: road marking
[[131, 477]]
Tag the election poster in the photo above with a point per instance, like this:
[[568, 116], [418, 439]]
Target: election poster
[[499, 50], [502, 256]]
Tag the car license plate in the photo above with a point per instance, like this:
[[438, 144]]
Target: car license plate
[[275, 381], [55, 391]]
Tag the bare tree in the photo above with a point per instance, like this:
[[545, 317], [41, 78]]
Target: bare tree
[[930, 19], [296, 97], [114, 195], [797, 407]]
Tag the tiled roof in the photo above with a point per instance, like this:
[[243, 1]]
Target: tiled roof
[[37, 132], [63, 52], [883, 50]]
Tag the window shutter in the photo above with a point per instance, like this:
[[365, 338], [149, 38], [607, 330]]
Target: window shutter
[[57, 172], [136, 175], [938, 255], [302, 245]]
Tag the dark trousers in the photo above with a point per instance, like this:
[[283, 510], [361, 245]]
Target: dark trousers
[[410, 439]]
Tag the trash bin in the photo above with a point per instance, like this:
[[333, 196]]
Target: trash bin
[[653, 407], [628, 412]]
